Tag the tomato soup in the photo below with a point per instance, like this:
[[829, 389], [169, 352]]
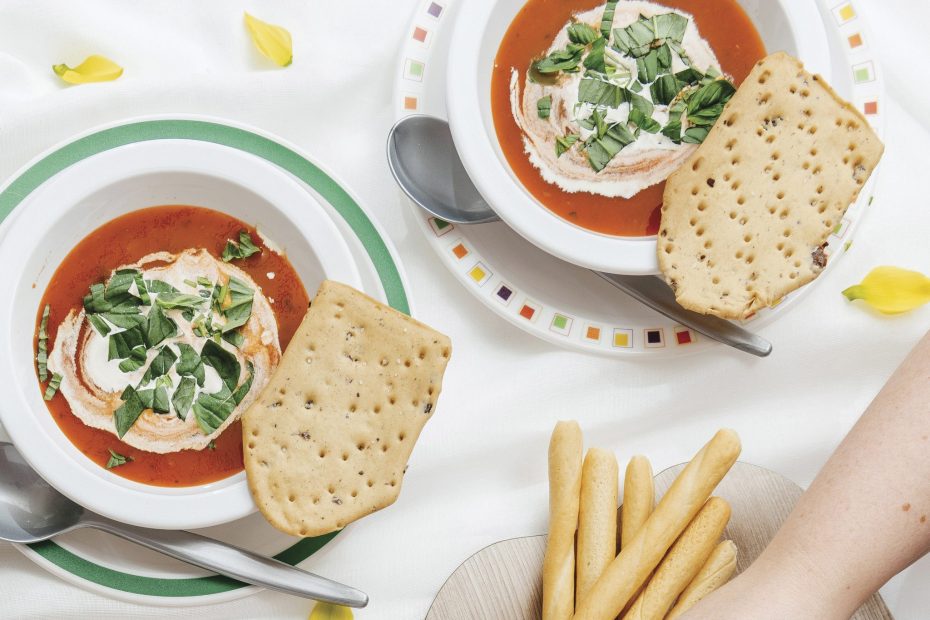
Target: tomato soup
[[722, 23], [124, 241]]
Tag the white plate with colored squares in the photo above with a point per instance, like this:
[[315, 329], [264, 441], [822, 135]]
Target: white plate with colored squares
[[562, 303]]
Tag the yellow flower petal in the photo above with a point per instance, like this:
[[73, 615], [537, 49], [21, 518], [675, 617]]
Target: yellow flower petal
[[892, 290], [95, 68], [328, 611], [272, 41]]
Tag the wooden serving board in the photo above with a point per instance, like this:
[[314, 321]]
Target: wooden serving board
[[504, 581]]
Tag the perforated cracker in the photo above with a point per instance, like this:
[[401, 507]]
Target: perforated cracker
[[328, 440], [745, 220]]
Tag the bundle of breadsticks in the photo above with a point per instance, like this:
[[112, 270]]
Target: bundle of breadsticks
[[669, 556]]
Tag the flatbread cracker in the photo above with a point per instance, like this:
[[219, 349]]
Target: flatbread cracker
[[328, 440], [745, 220]]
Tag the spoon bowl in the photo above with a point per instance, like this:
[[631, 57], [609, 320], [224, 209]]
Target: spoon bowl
[[30, 509], [423, 160]]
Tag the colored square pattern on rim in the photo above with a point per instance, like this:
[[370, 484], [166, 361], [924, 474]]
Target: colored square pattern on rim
[[844, 13], [623, 338], [480, 274], [529, 311], [411, 103], [561, 324], [459, 250], [683, 336], [870, 108], [440, 227], [414, 70], [434, 10], [864, 72], [592, 333], [419, 34], [654, 338], [855, 40], [504, 294]]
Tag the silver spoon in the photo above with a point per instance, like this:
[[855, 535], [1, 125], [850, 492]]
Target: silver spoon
[[32, 511], [425, 164]]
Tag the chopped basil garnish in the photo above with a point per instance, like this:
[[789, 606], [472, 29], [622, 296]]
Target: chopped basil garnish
[[116, 459], [157, 286], [544, 106], [244, 249], [221, 360], [607, 19], [212, 410], [122, 343], [665, 89], [239, 310], [235, 338], [695, 135], [42, 344], [160, 365], [190, 364], [601, 149], [706, 105], [160, 402], [594, 61], [53, 384], [566, 60], [610, 80], [183, 397], [564, 143], [159, 327], [135, 361], [132, 314], [582, 34], [180, 301], [98, 324], [646, 123], [127, 413]]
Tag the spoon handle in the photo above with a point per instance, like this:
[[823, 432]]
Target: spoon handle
[[234, 562]]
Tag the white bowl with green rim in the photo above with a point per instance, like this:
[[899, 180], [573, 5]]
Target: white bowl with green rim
[[794, 26], [69, 205]]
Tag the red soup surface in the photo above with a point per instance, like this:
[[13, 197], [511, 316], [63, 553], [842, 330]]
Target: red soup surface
[[722, 23], [124, 241]]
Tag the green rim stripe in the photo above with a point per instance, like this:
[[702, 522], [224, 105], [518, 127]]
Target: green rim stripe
[[164, 587], [229, 136], [275, 153]]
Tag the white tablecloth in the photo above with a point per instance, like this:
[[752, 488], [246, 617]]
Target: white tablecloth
[[478, 474]]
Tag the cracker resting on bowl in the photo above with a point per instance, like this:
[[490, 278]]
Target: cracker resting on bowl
[[744, 221], [328, 440]]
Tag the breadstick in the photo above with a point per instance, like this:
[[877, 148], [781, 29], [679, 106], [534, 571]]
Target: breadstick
[[565, 451], [684, 499], [639, 496], [597, 518], [682, 562], [718, 569]]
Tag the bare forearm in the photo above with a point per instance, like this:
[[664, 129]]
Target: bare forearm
[[865, 517]]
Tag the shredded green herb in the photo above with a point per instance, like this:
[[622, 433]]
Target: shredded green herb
[[564, 143], [116, 459], [244, 249], [42, 344], [631, 65], [544, 106], [53, 384]]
